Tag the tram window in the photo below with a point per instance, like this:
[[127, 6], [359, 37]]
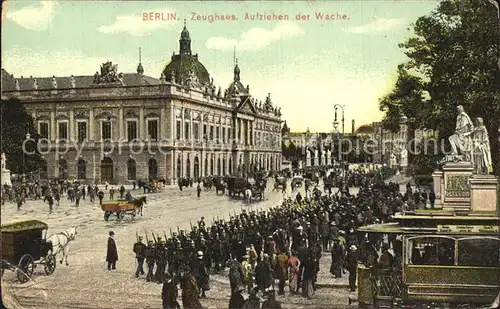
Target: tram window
[[431, 251], [479, 252]]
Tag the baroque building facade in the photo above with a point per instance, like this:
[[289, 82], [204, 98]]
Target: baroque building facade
[[119, 128]]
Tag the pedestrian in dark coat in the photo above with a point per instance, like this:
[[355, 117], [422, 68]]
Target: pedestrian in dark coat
[[352, 265], [201, 275], [235, 275], [169, 295], [112, 253], [237, 300]]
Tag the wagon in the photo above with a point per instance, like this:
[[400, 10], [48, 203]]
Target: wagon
[[297, 181], [280, 182], [24, 245], [120, 208]]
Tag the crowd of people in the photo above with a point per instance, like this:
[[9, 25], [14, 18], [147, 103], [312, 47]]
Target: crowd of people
[[284, 243]]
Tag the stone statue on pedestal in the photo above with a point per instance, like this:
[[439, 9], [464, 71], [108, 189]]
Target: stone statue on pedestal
[[404, 158], [5, 172], [461, 141], [481, 148], [392, 161]]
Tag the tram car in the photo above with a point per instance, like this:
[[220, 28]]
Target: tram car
[[24, 246], [445, 257]]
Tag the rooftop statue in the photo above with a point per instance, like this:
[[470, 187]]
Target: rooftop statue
[[461, 141]]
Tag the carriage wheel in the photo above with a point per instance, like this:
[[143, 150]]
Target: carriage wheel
[[26, 267], [121, 215], [106, 216], [50, 264]]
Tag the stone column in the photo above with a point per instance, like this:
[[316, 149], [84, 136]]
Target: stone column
[[120, 125], [253, 133], [141, 123], [191, 126], [53, 128], [173, 120], [91, 124], [182, 128], [162, 128], [71, 125], [237, 128], [200, 130]]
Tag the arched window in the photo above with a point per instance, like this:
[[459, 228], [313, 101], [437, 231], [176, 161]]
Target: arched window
[[188, 168], [153, 169], [81, 169], [224, 167], [179, 167], [230, 166], [196, 169], [218, 167], [211, 166], [107, 170], [131, 169], [206, 166]]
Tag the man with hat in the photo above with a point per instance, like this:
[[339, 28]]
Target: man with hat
[[201, 275], [169, 294], [112, 252], [140, 255], [352, 265], [150, 260]]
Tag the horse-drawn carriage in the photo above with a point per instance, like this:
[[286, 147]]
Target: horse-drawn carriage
[[297, 182], [214, 181], [24, 246], [236, 185], [123, 207], [279, 182]]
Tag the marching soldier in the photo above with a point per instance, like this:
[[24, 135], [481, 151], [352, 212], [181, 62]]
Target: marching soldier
[[140, 255], [160, 260], [150, 260]]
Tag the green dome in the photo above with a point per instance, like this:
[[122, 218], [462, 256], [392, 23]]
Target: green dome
[[181, 66]]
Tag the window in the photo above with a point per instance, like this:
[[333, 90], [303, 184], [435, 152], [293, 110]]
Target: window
[[131, 130], [43, 129], [475, 251], [106, 130], [82, 169], [211, 133], [224, 135], [427, 250], [62, 130], [131, 170], [217, 134], [186, 131], [178, 130], [196, 131], [204, 130], [153, 129], [81, 131]]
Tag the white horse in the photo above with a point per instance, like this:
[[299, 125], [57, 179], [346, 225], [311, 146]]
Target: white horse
[[60, 242], [248, 195]]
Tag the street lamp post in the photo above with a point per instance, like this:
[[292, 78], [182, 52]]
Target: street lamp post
[[336, 123]]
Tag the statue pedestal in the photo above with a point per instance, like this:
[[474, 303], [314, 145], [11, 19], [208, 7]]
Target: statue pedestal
[[308, 161], [456, 193], [6, 178], [437, 180], [483, 190]]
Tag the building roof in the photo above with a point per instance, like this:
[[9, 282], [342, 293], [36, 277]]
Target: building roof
[[64, 82], [365, 129]]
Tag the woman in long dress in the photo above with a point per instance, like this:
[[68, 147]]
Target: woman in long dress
[[294, 264]]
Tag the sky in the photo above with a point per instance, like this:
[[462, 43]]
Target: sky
[[307, 66]]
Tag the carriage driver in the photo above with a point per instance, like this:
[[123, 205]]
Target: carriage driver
[[140, 255]]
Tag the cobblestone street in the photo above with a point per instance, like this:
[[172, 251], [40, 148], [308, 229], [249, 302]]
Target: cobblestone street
[[86, 283]]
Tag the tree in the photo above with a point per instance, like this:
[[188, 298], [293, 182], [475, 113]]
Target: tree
[[453, 58], [15, 124]]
